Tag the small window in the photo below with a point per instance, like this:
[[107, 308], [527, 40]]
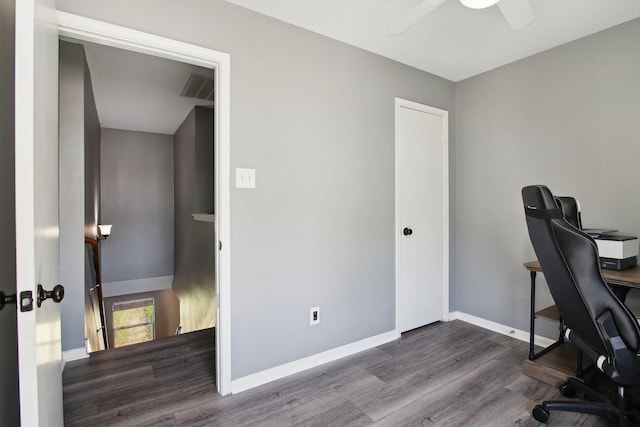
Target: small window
[[133, 321]]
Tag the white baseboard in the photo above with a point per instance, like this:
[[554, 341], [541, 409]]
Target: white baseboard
[[136, 286], [500, 328], [272, 374], [73, 354], [278, 372]]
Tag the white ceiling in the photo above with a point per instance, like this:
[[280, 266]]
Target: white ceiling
[[453, 41], [140, 92]]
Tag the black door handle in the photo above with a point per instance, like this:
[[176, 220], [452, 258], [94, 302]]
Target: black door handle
[[56, 294], [26, 300], [6, 299], [407, 231]]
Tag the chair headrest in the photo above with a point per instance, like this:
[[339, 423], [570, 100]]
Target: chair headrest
[[540, 203]]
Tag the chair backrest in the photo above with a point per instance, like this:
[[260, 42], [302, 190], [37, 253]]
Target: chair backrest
[[569, 260], [570, 209]]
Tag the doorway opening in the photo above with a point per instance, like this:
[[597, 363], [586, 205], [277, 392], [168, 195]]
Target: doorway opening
[[87, 30], [145, 126]]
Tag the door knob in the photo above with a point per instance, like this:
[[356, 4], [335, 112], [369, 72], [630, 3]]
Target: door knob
[[26, 300], [56, 294], [407, 231], [6, 299]]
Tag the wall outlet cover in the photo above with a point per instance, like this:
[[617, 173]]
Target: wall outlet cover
[[314, 315]]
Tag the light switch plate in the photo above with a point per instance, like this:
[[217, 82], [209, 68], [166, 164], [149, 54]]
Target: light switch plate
[[245, 178]]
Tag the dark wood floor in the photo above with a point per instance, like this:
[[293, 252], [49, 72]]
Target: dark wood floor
[[446, 374]]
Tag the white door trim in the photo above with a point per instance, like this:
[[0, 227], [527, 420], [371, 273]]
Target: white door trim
[[403, 103], [82, 28]]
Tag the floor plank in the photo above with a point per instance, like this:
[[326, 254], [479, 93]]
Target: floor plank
[[445, 374]]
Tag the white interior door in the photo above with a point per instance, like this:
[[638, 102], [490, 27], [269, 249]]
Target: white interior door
[[37, 248], [421, 214]]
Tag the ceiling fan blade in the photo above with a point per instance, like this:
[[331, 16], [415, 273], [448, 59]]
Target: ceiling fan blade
[[405, 22], [518, 13]]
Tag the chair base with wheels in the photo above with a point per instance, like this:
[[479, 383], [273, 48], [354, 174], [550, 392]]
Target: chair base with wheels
[[619, 408]]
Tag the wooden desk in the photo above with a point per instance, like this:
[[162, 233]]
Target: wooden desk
[[629, 277], [554, 369]]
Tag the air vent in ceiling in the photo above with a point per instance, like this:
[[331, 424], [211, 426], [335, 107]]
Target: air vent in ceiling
[[197, 86]]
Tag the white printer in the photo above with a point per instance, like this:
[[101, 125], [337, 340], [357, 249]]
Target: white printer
[[617, 252]]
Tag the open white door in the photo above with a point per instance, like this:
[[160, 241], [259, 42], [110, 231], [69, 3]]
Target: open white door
[[422, 261], [36, 174]]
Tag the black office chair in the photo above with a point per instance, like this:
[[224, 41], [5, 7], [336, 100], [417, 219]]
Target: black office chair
[[594, 319]]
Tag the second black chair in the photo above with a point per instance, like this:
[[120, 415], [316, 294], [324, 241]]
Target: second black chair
[[570, 209], [595, 319]]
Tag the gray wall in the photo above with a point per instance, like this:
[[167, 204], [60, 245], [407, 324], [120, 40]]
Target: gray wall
[[315, 118], [91, 184], [91, 158], [137, 198], [204, 164], [194, 280], [71, 134], [568, 118], [79, 133], [9, 404]]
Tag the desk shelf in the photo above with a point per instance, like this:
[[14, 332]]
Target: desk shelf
[[204, 217], [553, 367], [550, 313], [560, 359]]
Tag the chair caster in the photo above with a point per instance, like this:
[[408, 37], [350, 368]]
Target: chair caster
[[540, 414], [567, 390]]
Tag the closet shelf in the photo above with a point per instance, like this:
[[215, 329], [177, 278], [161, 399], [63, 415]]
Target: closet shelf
[[204, 217]]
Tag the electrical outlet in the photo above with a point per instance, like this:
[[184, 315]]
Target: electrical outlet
[[314, 315]]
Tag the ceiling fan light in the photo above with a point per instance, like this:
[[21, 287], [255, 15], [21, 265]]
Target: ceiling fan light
[[478, 4]]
